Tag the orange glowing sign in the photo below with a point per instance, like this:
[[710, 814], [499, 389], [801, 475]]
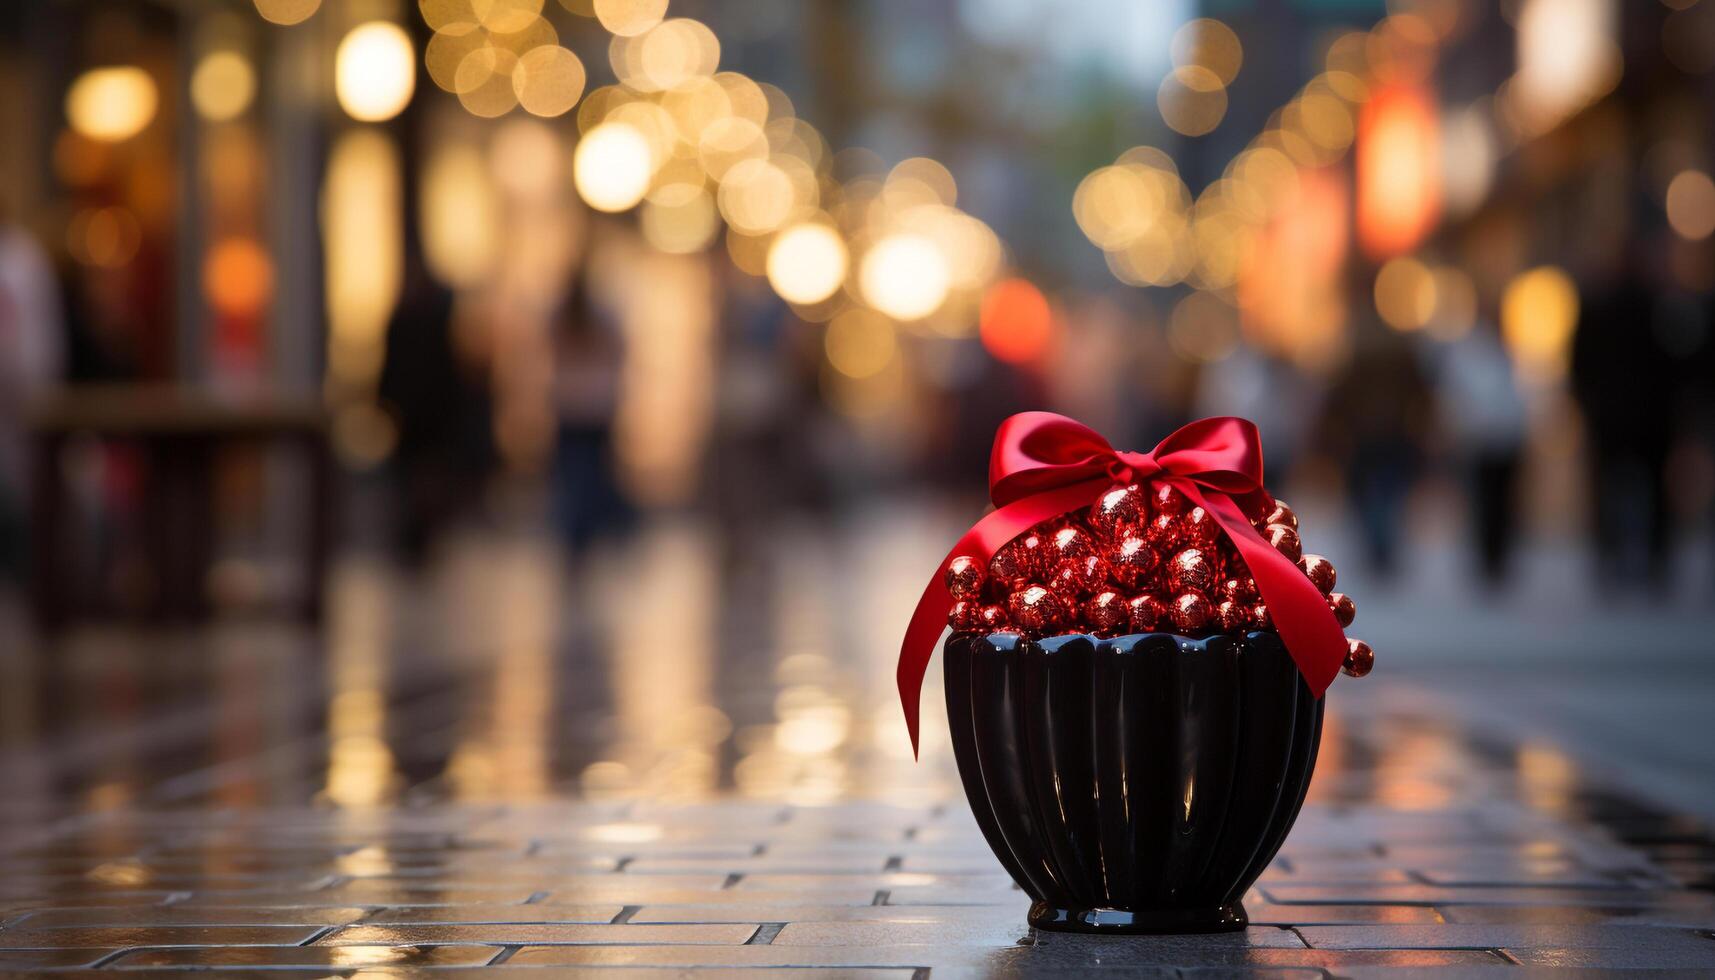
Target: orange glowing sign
[[1399, 171], [1016, 323]]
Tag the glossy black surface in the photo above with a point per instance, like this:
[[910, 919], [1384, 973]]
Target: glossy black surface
[[1138, 784]]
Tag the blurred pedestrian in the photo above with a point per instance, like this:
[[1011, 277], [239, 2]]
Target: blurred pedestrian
[[441, 408], [1622, 379], [32, 340], [1483, 412], [1376, 415], [588, 503]]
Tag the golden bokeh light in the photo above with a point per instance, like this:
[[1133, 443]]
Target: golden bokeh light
[[506, 16], [375, 71], [807, 263], [1539, 312], [362, 251], [612, 167], [238, 277], [1192, 100], [756, 196], [727, 142], [904, 276], [1455, 303], [484, 81], [111, 104], [1211, 45], [287, 12], [1405, 294], [106, 237], [458, 211], [920, 180], [1691, 204], [629, 18], [860, 343], [222, 85], [680, 223], [668, 55], [548, 80]]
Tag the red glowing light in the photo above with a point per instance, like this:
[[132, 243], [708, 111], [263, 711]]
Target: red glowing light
[[1399, 173], [1016, 324]]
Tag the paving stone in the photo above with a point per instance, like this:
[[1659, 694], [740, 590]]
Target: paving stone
[[540, 934], [305, 957], [1458, 936], [178, 915], [12, 960], [1268, 914], [74, 936], [1611, 958], [641, 892], [518, 914], [950, 914]]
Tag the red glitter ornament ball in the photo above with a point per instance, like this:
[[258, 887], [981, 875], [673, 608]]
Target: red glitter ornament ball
[[992, 619], [1199, 529], [1232, 617], [1168, 499], [963, 617], [1036, 611], [1260, 617], [1131, 561], [1281, 514], [1320, 571], [1345, 610], [1163, 533], [1285, 540], [965, 577], [1191, 571], [1067, 542], [1239, 588], [1118, 511], [1146, 613], [1079, 576], [1105, 613], [1017, 562], [1191, 613], [1359, 659]]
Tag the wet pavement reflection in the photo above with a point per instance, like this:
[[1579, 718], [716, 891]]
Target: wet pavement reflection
[[683, 753]]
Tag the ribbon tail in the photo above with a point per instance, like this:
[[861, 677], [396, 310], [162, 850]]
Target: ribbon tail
[[985, 538], [1301, 615]]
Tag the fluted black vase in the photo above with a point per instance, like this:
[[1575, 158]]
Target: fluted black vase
[[1132, 785]]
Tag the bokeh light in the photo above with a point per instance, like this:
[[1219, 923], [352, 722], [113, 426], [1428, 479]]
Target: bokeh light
[[680, 223], [375, 71], [860, 343], [287, 12], [1539, 312], [222, 86], [238, 277], [1203, 328], [1192, 100], [104, 237], [1399, 181], [1211, 45], [612, 167], [111, 104], [904, 276], [548, 80], [1015, 322], [1691, 204], [628, 18], [1405, 294], [807, 263]]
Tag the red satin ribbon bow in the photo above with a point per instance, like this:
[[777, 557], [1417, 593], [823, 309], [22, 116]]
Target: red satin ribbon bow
[[1045, 465]]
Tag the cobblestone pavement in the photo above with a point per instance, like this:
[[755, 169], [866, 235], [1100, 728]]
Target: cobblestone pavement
[[230, 807]]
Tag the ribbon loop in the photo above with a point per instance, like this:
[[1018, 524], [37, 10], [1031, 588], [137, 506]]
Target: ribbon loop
[[1044, 465]]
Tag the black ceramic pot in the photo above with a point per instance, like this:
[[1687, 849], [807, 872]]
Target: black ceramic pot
[[1138, 784]]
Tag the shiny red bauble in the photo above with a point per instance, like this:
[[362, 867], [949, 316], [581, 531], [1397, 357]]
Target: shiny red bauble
[[1131, 561], [965, 578], [1320, 571], [1037, 611], [1191, 571], [1119, 510], [1232, 617], [1146, 613], [1285, 540], [1345, 610], [1079, 576], [1192, 613], [1105, 613], [1360, 659]]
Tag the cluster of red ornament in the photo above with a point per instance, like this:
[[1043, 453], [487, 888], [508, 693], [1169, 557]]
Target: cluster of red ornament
[[1140, 561]]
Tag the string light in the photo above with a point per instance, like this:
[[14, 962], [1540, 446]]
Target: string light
[[375, 71]]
